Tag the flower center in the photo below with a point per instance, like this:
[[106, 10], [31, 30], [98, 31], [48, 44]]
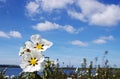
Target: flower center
[[33, 61], [28, 50], [39, 46]]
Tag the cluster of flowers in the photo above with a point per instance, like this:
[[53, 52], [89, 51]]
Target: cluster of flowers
[[31, 54]]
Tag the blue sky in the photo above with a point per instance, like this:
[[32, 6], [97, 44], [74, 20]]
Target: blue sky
[[78, 29]]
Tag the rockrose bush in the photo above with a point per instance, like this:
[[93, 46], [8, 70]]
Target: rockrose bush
[[32, 59]]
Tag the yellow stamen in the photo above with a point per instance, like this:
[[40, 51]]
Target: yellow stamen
[[33, 61], [39, 46]]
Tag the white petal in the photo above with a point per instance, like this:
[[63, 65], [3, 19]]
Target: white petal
[[37, 68], [41, 59], [41, 66], [55, 62], [26, 57], [28, 69], [24, 65], [35, 38], [32, 69], [21, 51], [28, 44], [37, 54], [47, 44]]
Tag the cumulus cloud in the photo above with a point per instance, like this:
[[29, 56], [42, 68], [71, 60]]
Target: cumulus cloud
[[36, 6], [91, 11], [79, 43], [14, 34], [4, 35], [47, 26], [99, 41], [103, 39], [96, 13], [71, 29], [109, 17], [49, 5], [32, 8], [110, 37], [76, 15]]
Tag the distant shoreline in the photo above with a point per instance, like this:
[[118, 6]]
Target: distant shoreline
[[10, 66], [70, 68]]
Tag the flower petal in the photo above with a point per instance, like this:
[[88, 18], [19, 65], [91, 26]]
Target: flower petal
[[35, 38], [28, 69], [25, 65], [26, 57], [28, 44], [47, 44], [41, 66], [21, 51], [36, 54]]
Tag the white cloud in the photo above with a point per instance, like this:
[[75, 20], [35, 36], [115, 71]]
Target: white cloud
[[107, 37], [32, 8], [4, 35], [76, 15], [97, 13], [47, 26], [91, 11], [103, 39], [79, 43], [109, 17], [99, 41], [71, 29], [37, 6], [49, 5], [15, 34]]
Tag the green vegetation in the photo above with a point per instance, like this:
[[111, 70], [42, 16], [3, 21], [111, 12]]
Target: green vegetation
[[52, 71]]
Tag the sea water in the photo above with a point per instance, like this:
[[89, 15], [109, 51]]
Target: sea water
[[16, 71]]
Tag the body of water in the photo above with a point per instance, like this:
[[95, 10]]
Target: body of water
[[12, 71], [17, 71]]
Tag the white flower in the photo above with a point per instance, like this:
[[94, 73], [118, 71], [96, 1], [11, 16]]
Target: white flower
[[22, 49], [31, 54], [35, 43], [96, 74], [12, 76], [55, 62], [35, 38], [69, 78], [31, 62], [76, 70], [7, 77], [39, 43], [26, 49]]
